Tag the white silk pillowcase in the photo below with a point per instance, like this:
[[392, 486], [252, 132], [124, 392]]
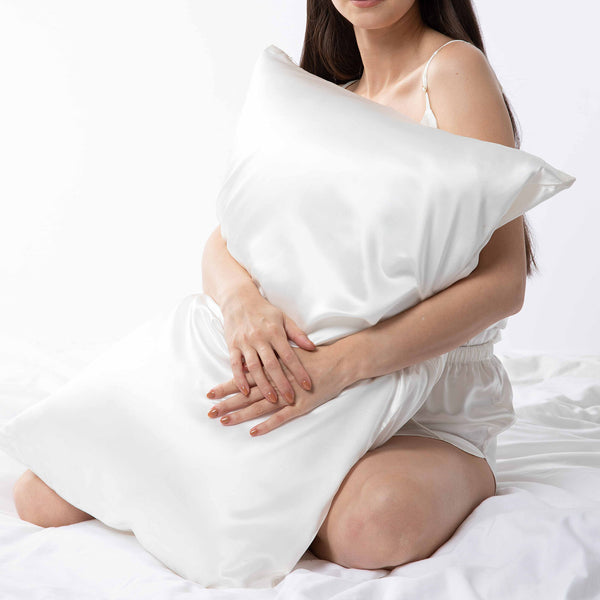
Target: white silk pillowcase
[[344, 213]]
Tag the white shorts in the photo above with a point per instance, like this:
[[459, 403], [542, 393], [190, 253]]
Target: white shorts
[[469, 405]]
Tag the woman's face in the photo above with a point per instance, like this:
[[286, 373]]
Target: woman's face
[[373, 14]]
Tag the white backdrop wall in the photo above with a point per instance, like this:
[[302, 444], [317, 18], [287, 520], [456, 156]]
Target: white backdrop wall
[[115, 123], [545, 55]]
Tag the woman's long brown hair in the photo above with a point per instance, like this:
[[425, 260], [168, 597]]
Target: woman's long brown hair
[[331, 52]]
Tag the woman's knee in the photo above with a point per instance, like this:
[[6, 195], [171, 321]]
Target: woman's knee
[[39, 504], [389, 524], [26, 497], [402, 503], [381, 528]]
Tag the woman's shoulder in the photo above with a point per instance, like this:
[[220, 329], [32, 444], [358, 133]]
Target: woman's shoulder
[[466, 96], [461, 56]]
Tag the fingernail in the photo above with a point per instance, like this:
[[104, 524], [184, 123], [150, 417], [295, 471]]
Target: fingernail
[[224, 419], [211, 394], [289, 397], [253, 431], [305, 384], [213, 412], [271, 396], [245, 390]]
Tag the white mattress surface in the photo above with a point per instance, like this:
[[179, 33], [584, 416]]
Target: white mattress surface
[[539, 537]]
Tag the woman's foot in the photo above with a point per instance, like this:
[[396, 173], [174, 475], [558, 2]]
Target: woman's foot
[[41, 505]]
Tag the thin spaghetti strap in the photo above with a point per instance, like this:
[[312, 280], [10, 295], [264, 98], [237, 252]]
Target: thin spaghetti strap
[[347, 84], [424, 78]]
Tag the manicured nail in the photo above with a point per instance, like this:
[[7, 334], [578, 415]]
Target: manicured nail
[[253, 431], [245, 390], [224, 419], [211, 394], [271, 396], [289, 397], [305, 384], [213, 412]]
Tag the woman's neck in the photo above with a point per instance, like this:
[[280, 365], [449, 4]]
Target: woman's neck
[[390, 54]]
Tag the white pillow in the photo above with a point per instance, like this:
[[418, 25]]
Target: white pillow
[[345, 213]]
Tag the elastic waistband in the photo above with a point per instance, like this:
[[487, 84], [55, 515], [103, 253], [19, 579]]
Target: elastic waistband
[[472, 353]]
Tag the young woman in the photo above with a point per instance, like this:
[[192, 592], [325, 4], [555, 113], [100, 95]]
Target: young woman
[[401, 501]]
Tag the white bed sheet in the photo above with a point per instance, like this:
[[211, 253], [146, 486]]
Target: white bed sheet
[[539, 537]]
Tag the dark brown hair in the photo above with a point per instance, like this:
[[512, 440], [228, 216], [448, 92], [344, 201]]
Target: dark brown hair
[[331, 52]]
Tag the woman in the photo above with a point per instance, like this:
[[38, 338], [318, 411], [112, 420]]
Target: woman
[[401, 501]]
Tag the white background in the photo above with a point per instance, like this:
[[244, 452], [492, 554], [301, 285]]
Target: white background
[[115, 120]]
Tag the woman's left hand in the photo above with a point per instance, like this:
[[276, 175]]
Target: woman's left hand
[[323, 366]]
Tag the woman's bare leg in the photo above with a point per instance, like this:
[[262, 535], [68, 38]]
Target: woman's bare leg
[[401, 502], [41, 505]]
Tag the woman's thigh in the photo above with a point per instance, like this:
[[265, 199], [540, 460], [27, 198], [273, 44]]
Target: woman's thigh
[[402, 501]]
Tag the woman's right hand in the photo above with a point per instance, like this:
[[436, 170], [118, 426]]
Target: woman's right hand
[[254, 331]]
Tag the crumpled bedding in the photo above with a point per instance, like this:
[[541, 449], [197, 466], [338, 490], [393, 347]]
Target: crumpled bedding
[[539, 537]]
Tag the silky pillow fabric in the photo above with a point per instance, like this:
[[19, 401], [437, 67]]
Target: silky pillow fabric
[[344, 213]]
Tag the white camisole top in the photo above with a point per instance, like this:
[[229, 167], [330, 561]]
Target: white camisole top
[[492, 333]]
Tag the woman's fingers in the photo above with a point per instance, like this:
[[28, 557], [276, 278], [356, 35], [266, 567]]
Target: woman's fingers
[[256, 370], [292, 362], [274, 372], [239, 376], [229, 387], [249, 412], [296, 334], [237, 402], [287, 413]]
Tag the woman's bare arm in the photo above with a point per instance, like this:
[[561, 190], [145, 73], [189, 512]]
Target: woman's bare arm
[[223, 278], [254, 328], [435, 326], [466, 98]]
